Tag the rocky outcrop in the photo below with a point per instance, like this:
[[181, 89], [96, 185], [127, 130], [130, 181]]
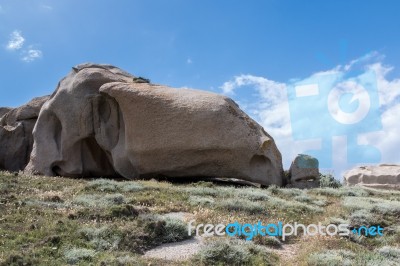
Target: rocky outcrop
[[4, 110], [16, 138], [386, 176], [304, 172], [102, 121]]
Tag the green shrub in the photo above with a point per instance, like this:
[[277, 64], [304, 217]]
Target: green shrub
[[222, 252], [46, 204], [241, 205], [130, 187], [107, 185], [252, 194], [320, 202], [200, 201], [120, 211], [328, 180], [175, 230], [101, 239], [268, 241], [99, 201], [135, 239], [164, 230], [202, 191], [303, 198], [18, 260], [331, 258], [362, 218], [273, 189], [292, 206], [373, 258], [327, 191], [122, 260], [75, 255], [141, 80], [337, 220], [341, 191], [358, 203], [356, 238], [388, 207], [288, 192], [375, 205], [390, 252], [310, 200], [129, 260], [101, 184]]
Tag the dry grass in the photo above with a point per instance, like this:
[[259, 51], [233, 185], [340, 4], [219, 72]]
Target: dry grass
[[53, 220]]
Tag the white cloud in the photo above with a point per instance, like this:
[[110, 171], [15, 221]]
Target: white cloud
[[387, 140], [47, 7], [269, 105], [270, 99], [31, 55], [229, 86], [16, 41]]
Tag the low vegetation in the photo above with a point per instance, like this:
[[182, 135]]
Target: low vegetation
[[222, 252], [61, 221]]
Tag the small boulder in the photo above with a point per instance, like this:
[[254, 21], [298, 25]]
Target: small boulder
[[385, 176], [304, 172]]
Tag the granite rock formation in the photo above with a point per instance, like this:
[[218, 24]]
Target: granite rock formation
[[102, 121], [16, 138], [385, 176]]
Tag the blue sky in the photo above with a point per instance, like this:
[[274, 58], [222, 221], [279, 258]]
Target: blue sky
[[253, 51]]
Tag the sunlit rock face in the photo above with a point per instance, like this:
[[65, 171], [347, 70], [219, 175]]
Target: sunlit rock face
[[386, 176], [102, 121]]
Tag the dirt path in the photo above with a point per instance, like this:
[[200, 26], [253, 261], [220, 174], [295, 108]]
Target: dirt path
[[176, 251], [183, 250]]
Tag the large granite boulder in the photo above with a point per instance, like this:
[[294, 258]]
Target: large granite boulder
[[386, 176], [16, 138], [304, 172], [102, 121]]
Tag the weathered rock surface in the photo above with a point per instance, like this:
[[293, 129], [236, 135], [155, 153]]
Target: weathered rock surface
[[102, 121], [304, 172], [386, 176], [16, 138], [4, 110]]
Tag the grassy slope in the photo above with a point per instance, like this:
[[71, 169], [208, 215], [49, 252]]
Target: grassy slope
[[55, 221]]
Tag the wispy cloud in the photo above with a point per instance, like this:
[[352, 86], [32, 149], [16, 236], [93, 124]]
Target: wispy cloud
[[16, 41], [268, 102], [189, 61], [47, 7], [31, 55]]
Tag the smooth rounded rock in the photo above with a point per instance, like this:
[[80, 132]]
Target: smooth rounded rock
[[385, 176], [102, 121]]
